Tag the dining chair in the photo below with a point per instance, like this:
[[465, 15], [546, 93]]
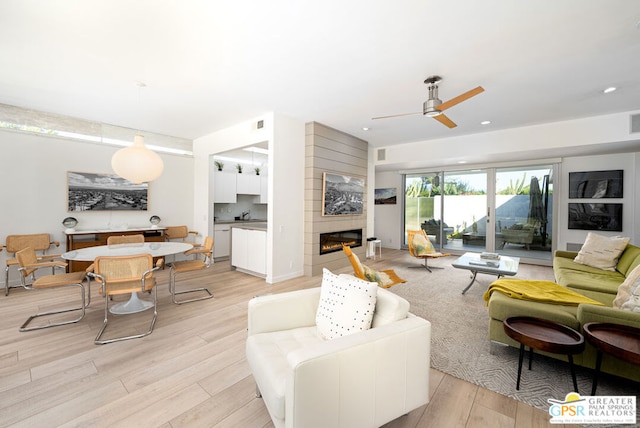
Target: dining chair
[[421, 247], [29, 263], [40, 242], [125, 239], [182, 234], [124, 275], [190, 266]]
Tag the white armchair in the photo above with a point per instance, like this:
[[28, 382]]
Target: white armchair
[[365, 379]]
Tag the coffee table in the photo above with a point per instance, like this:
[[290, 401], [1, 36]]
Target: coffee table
[[621, 341], [544, 335], [505, 266]]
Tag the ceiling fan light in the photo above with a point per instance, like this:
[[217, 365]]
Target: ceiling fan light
[[433, 113]]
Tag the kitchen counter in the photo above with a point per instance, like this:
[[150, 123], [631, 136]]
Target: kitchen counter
[[250, 225], [235, 222]]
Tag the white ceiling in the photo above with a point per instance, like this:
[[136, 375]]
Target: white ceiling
[[211, 64]]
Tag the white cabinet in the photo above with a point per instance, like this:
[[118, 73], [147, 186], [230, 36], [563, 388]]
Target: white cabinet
[[239, 248], [224, 187], [264, 182], [222, 240], [249, 250], [248, 184]]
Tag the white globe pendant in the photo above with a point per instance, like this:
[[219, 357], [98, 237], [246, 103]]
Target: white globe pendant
[[137, 163]]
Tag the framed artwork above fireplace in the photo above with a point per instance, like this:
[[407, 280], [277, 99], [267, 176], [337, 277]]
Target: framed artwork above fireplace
[[342, 194]]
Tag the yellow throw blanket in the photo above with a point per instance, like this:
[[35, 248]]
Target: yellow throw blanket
[[539, 291]]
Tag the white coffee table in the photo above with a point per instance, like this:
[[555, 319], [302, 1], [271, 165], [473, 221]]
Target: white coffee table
[[505, 266]]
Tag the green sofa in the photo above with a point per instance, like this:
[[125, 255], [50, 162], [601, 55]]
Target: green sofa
[[598, 284]]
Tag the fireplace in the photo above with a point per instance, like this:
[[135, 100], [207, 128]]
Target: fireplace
[[333, 241]]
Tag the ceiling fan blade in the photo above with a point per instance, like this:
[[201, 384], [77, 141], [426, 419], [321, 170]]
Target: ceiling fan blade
[[442, 118], [460, 98], [396, 115]]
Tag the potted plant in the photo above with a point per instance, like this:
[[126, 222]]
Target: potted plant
[[219, 165], [257, 170], [239, 168]]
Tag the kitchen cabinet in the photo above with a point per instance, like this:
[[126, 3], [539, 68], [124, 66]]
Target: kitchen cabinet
[[248, 184], [264, 182], [224, 187], [249, 250], [222, 241]]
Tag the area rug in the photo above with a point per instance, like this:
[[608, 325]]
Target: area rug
[[460, 343]]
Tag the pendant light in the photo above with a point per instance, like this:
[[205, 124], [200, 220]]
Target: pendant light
[[137, 163]]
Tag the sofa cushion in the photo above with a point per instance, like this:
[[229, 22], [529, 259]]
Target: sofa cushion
[[601, 252], [629, 259], [389, 308], [502, 306], [422, 246], [628, 296], [346, 305], [274, 348]]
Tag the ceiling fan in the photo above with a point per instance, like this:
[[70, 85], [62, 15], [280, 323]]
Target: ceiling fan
[[434, 106]]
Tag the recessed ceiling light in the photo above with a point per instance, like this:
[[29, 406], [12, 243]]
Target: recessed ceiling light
[[462, 161], [609, 89], [365, 128], [485, 122]]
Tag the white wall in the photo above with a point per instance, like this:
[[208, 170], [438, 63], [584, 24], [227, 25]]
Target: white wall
[[525, 143], [388, 218], [285, 211], [530, 142], [33, 173], [630, 220]]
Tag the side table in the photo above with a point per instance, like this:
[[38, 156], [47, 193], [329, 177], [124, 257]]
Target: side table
[[544, 335], [373, 245], [621, 341]]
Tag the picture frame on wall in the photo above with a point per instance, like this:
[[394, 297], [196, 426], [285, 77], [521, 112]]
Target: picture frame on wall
[[386, 196], [605, 217], [342, 194], [596, 184], [88, 191]]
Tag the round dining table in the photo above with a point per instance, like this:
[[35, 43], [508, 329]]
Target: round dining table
[[156, 249]]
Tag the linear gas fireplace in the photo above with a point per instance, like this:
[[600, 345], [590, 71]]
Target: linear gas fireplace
[[333, 241]]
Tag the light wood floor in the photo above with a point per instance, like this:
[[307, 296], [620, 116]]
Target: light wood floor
[[189, 372]]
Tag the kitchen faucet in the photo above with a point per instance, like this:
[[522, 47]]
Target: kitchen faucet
[[245, 214]]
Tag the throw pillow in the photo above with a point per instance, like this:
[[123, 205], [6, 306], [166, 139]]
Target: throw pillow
[[422, 245], [601, 252], [346, 305], [628, 296]]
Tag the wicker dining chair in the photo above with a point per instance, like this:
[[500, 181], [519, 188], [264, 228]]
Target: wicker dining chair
[[182, 234], [40, 242], [28, 265], [125, 239], [189, 266], [124, 275]]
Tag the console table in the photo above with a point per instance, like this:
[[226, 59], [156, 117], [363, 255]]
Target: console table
[[93, 238]]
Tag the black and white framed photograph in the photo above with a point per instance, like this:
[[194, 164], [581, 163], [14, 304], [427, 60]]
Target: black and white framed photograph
[[341, 194], [606, 217], [104, 192], [386, 196], [595, 184]]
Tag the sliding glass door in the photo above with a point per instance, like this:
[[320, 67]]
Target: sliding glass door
[[524, 214], [504, 210], [422, 203], [465, 210]]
